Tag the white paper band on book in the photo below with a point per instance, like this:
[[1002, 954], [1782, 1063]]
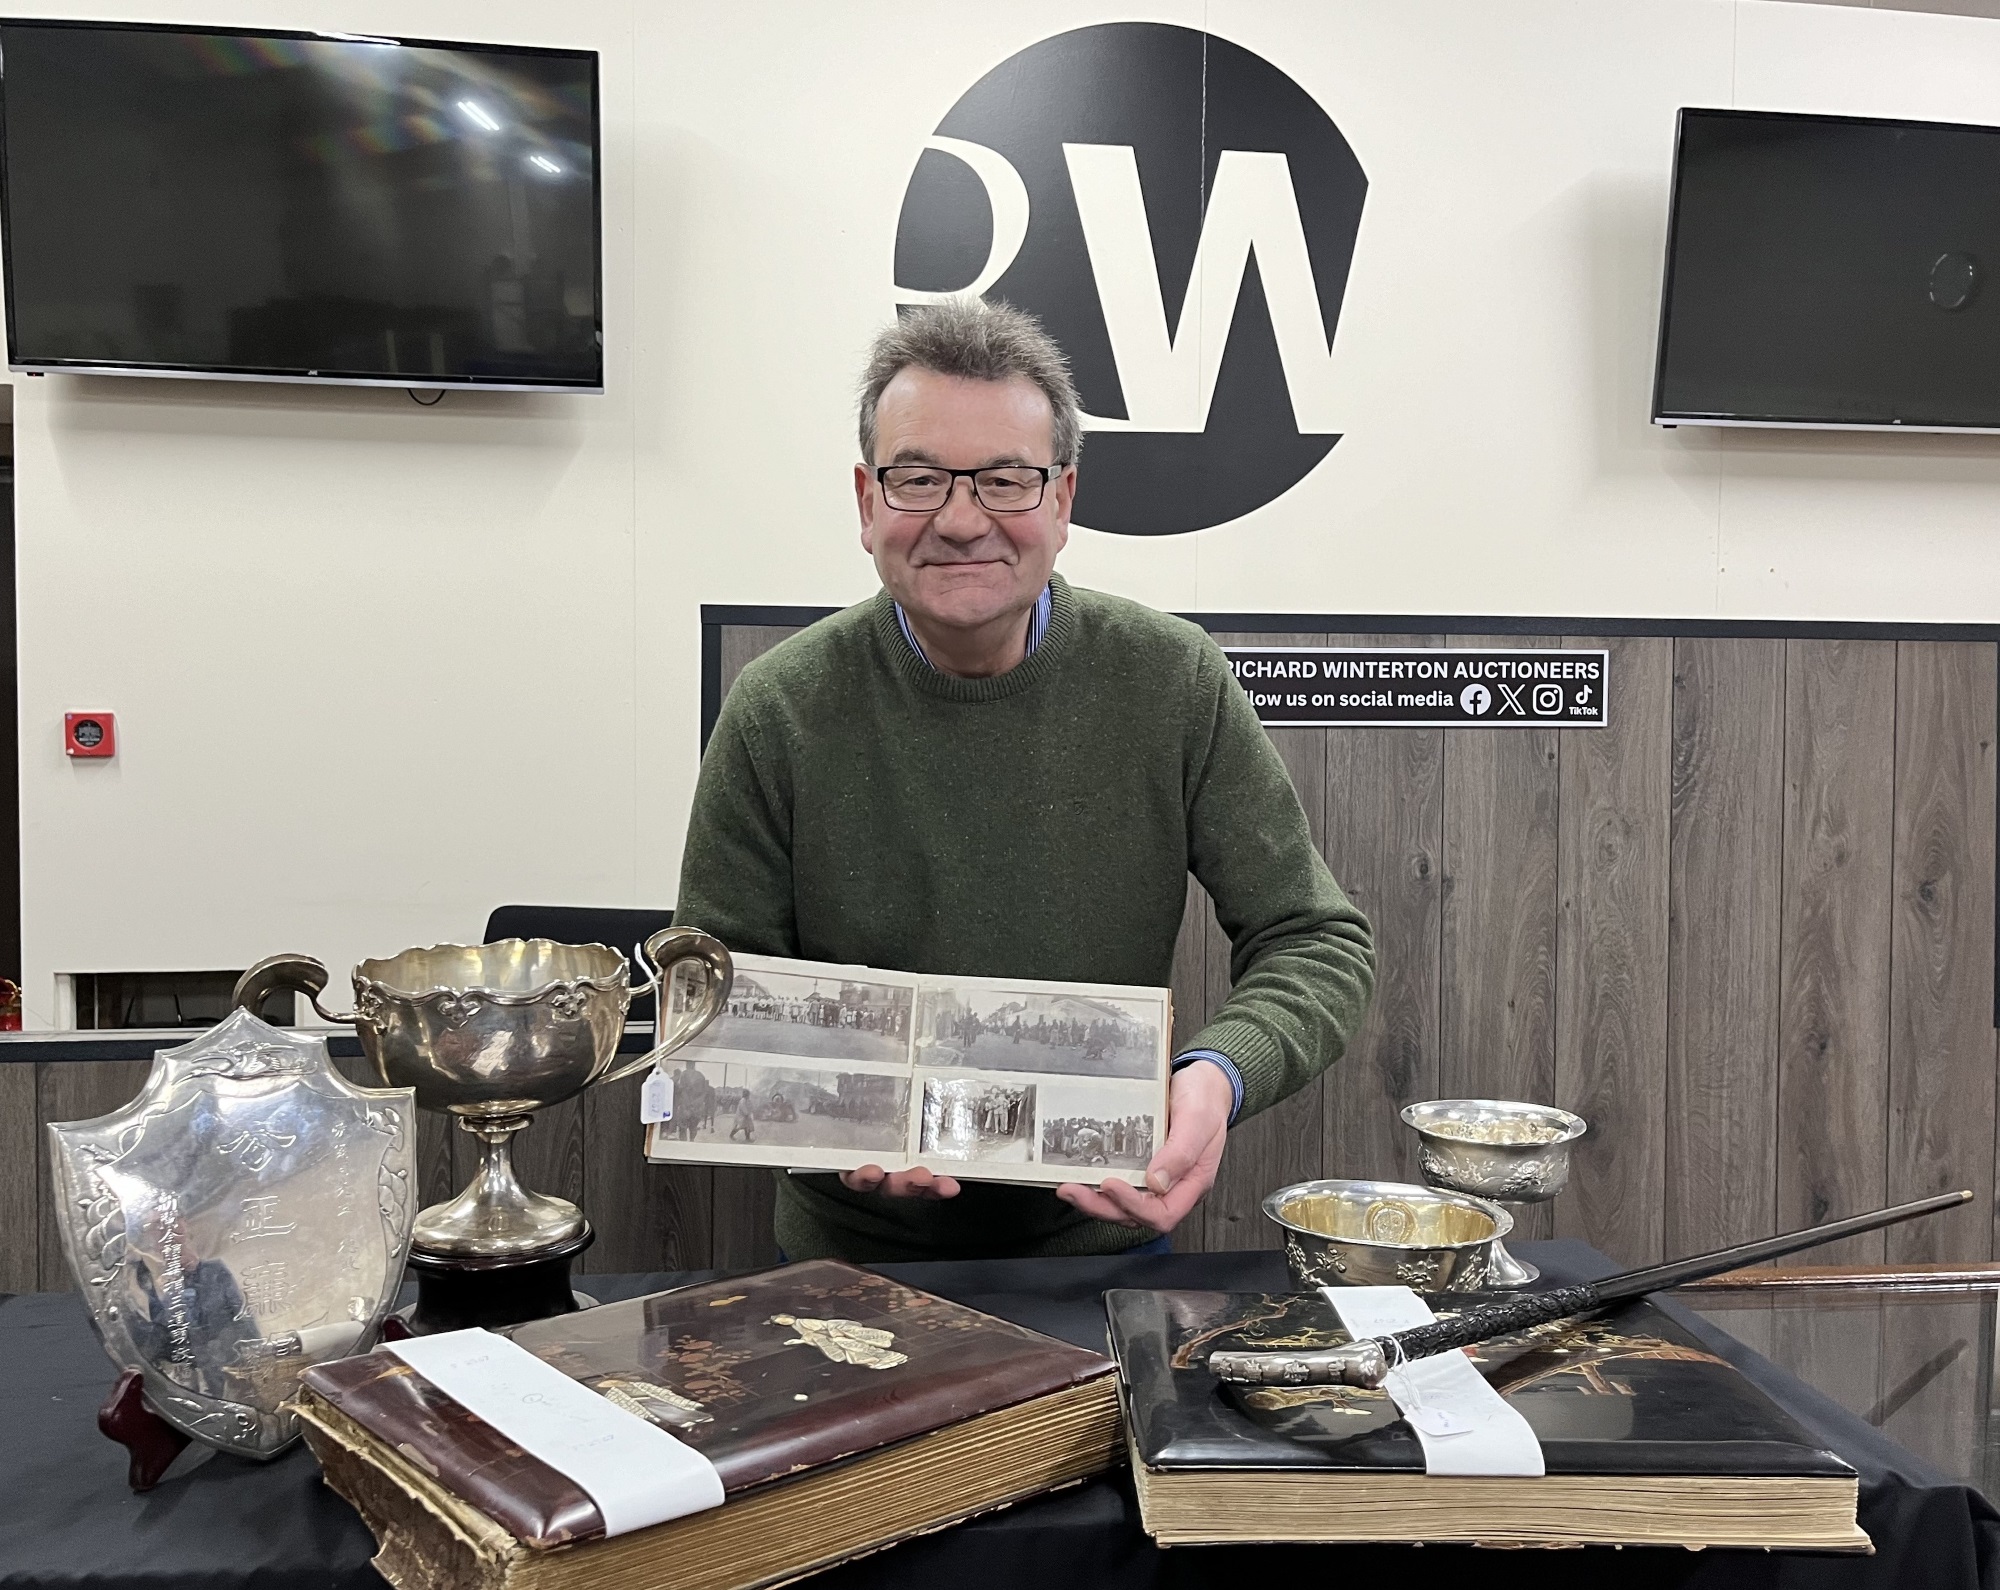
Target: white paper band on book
[[633, 1470], [1466, 1427]]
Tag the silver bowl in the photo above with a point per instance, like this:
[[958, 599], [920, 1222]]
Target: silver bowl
[[1386, 1233], [1496, 1148], [493, 1030]]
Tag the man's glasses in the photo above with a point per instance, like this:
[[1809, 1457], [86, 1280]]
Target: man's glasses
[[925, 488]]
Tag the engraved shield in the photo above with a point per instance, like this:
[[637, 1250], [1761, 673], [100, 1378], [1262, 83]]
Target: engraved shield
[[247, 1215]]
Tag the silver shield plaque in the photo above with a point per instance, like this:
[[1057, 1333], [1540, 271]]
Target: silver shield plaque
[[246, 1215]]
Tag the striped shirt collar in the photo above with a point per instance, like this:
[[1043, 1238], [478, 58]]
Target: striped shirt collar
[[1038, 626]]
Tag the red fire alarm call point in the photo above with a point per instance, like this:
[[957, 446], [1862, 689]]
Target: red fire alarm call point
[[90, 734]]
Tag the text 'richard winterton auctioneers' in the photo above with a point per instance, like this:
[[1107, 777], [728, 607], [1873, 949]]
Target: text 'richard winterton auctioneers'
[[1412, 687]]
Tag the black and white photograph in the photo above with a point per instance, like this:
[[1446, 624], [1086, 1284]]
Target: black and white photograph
[[812, 1018], [1004, 1029], [1098, 1129], [966, 1118], [769, 1106]]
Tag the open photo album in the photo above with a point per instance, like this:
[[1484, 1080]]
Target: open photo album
[[822, 1067]]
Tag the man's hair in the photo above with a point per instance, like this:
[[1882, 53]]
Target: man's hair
[[981, 342]]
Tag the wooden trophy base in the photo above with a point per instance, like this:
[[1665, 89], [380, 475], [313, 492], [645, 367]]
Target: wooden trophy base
[[455, 1294]]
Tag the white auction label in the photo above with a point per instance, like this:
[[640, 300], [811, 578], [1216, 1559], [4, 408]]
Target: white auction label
[[656, 1098], [1462, 1423], [634, 1471]]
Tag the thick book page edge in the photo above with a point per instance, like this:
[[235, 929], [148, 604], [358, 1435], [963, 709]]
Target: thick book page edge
[[1294, 1507], [354, 1461], [1078, 1426]]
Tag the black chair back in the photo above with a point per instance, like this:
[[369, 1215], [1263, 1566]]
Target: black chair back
[[620, 927]]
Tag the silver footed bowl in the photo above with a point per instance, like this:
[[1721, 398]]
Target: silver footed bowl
[[1495, 1148], [1386, 1233]]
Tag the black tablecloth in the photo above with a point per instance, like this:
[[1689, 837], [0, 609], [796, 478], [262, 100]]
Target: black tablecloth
[[66, 1518]]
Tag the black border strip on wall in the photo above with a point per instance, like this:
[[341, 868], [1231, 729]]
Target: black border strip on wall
[[112, 1043], [714, 616]]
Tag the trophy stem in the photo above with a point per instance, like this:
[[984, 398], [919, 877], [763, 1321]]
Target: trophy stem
[[1505, 1272], [495, 1216]]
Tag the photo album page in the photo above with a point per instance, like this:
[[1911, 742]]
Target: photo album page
[[820, 1067]]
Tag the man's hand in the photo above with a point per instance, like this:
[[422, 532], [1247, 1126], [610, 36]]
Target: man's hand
[[1199, 1101], [913, 1183]]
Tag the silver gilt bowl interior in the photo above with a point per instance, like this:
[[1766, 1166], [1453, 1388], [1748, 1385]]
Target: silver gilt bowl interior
[[487, 1031], [1495, 1148], [1385, 1233]]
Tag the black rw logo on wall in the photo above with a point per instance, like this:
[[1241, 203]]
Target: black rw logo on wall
[[1181, 215]]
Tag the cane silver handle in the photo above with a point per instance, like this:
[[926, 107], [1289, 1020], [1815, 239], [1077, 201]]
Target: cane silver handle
[[662, 952], [299, 973], [1359, 1363]]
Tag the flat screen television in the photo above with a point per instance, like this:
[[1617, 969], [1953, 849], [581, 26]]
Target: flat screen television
[[1831, 271], [258, 205]]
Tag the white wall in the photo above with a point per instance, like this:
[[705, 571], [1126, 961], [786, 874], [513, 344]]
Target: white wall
[[377, 667]]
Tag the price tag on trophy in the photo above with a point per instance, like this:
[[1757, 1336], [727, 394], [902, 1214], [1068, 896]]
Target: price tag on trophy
[[656, 1098]]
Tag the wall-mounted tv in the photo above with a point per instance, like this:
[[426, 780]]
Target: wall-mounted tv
[[214, 202], [1831, 271]]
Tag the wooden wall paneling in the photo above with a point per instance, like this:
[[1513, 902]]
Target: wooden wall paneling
[[436, 1179], [1611, 981], [1190, 987], [744, 1200], [1224, 1222], [1836, 1350], [1833, 1008], [1496, 1027], [1936, 1380], [1833, 1021], [1283, 1144], [1384, 826], [1941, 1044], [1752, 1320], [74, 1090], [21, 1151], [648, 1217], [1190, 974], [1724, 886], [741, 643]]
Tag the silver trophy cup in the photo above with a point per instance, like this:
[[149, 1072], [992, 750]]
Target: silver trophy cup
[[490, 1033]]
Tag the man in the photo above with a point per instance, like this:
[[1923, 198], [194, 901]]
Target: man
[[694, 1100], [984, 771]]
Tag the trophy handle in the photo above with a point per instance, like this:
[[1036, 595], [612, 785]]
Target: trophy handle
[[662, 952], [300, 973]]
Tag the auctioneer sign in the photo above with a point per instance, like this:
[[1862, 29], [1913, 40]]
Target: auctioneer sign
[[1417, 687]]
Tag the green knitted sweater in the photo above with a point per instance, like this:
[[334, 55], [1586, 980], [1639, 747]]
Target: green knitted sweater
[[856, 806]]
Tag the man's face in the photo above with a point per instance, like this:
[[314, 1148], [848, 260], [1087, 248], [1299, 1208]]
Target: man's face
[[960, 566]]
